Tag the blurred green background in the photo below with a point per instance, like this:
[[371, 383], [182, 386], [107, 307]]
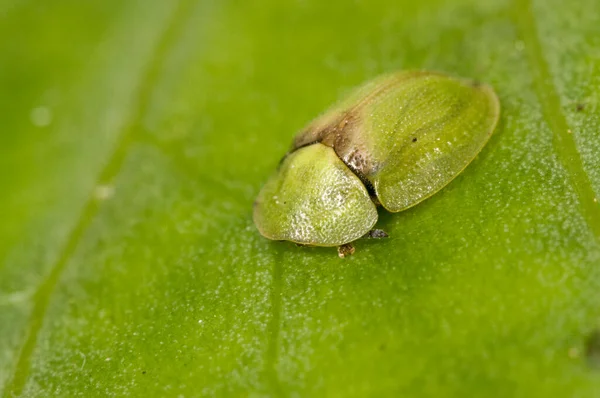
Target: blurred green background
[[136, 134]]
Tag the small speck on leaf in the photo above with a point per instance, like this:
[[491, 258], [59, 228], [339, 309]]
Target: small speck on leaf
[[41, 116], [104, 192], [573, 352]]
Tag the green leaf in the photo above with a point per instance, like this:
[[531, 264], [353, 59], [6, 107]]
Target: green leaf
[[137, 134]]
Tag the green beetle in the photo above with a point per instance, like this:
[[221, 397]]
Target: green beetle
[[394, 142]]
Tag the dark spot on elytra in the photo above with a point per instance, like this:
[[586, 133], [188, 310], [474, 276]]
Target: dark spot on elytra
[[476, 83], [592, 349], [414, 139], [579, 107]]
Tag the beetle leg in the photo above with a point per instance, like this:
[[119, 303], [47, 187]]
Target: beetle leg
[[376, 234], [345, 250]]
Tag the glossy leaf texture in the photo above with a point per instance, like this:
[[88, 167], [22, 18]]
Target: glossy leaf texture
[[136, 136]]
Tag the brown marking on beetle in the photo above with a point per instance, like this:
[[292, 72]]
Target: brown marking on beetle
[[338, 127], [311, 135], [580, 107], [352, 151], [340, 135], [325, 134], [339, 131], [357, 161]]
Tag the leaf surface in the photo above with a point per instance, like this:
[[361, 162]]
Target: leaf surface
[[137, 134]]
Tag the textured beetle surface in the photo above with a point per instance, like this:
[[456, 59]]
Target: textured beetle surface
[[396, 141]]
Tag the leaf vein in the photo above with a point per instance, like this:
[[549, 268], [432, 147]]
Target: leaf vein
[[554, 116], [42, 296]]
